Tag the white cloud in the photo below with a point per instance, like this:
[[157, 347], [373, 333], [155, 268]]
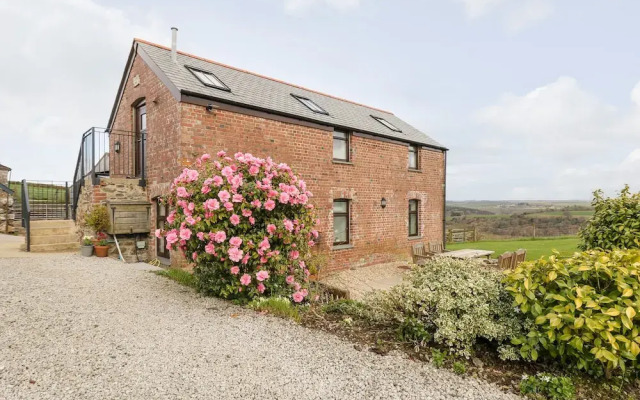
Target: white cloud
[[295, 6], [66, 60], [516, 15], [557, 141]]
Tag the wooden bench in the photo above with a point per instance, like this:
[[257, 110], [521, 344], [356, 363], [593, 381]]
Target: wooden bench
[[419, 253]]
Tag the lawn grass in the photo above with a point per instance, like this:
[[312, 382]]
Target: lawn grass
[[179, 275], [536, 248], [42, 192]]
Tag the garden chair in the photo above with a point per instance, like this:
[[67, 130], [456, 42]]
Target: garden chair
[[505, 260], [419, 253], [436, 247], [518, 257]]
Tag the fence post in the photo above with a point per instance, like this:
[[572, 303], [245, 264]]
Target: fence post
[[66, 200], [93, 156]]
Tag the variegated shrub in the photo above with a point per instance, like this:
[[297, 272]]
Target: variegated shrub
[[585, 309]]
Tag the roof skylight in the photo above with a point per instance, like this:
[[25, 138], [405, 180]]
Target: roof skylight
[[209, 79], [310, 104], [387, 124]]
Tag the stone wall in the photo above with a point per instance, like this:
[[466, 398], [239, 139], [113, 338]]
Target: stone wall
[[7, 216], [113, 190]]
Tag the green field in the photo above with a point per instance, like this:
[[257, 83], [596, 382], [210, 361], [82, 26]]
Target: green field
[[535, 247], [49, 193]]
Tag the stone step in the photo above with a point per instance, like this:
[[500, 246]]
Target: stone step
[[54, 239], [53, 248], [52, 231]]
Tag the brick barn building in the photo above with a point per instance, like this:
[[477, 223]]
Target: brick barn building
[[378, 182]]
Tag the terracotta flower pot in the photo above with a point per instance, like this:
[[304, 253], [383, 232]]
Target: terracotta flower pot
[[101, 251]]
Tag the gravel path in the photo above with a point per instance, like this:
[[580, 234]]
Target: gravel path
[[89, 328]]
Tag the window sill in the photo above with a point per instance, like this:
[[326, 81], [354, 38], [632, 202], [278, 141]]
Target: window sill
[[342, 162], [342, 247], [415, 170], [414, 237]]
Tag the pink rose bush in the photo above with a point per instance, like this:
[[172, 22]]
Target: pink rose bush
[[247, 224]]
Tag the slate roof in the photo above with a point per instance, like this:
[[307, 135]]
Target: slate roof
[[271, 95], [4, 168]]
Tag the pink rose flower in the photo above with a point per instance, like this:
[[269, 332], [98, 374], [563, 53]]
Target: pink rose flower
[[226, 171], [314, 233], [261, 288], [171, 217], [237, 198], [182, 192], [224, 196], [235, 241], [254, 169], [284, 198], [235, 219], [190, 220], [246, 213], [288, 224], [185, 233], [256, 203], [272, 193], [217, 180], [221, 153], [194, 255], [290, 279], [252, 220], [158, 233], [210, 248], [245, 259], [262, 275], [228, 206], [171, 237], [235, 254], [205, 189], [298, 297], [269, 204], [192, 175], [245, 279], [294, 254], [220, 236], [200, 236], [271, 228], [236, 181], [264, 245], [211, 204], [235, 270], [205, 157]]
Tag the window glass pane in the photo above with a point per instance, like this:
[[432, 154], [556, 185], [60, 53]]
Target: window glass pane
[[340, 224], [413, 224], [340, 134], [413, 205], [340, 207], [413, 159], [162, 210], [340, 149], [143, 122]]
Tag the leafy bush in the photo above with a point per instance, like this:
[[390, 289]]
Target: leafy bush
[[458, 301], [346, 307], [615, 222], [459, 368], [278, 306], [98, 219], [547, 386], [246, 224], [584, 308], [438, 357]]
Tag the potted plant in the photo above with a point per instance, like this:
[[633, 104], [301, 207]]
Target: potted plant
[[87, 246], [102, 248], [98, 219]]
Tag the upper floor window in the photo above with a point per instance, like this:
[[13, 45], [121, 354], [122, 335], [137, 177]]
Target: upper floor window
[[310, 104], [387, 124], [340, 222], [209, 79], [413, 157], [340, 146], [413, 217]]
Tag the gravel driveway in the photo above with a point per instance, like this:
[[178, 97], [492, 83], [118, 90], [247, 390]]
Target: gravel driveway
[[89, 328]]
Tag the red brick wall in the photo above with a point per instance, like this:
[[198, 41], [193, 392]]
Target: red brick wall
[[180, 132], [378, 169]]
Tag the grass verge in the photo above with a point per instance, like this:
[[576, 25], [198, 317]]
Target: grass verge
[[179, 275], [536, 248]]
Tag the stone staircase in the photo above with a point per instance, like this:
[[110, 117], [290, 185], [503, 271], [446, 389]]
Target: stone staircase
[[53, 236]]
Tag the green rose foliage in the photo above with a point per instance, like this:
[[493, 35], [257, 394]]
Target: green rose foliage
[[615, 222], [457, 302], [584, 309], [247, 225]]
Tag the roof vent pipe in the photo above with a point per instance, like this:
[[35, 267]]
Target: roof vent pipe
[[174, 44]]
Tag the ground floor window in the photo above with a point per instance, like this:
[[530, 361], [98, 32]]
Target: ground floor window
[[413, 217], [162, 210], [340, 222]]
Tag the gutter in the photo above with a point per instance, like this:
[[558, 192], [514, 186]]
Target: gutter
[[444, 204]]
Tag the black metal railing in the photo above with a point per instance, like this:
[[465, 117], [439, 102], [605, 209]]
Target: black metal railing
[[46, 199], [26, 213], [113, 153]]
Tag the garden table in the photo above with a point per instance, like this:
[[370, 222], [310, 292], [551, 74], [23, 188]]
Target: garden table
[[465, 253]]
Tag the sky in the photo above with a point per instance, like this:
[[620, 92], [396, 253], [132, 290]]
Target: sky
[[536, 99]]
